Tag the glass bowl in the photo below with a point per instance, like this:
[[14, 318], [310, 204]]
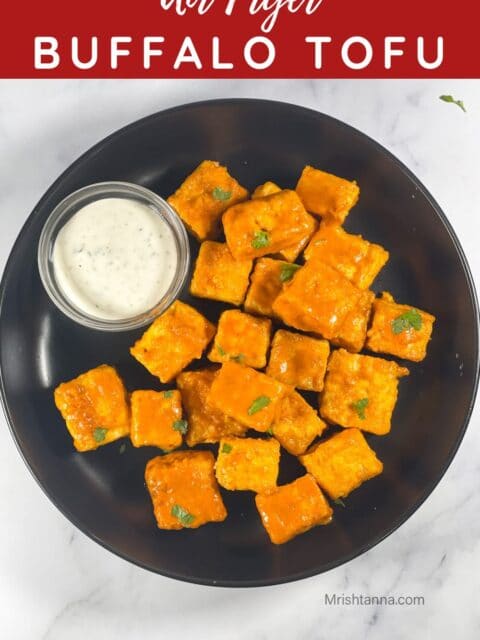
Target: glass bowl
[[67, 208]]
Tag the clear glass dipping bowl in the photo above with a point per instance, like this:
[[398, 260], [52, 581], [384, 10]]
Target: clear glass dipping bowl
[[67, 208]]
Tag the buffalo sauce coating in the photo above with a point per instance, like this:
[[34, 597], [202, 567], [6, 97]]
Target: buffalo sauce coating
[[266, 225], [292, 509], [342, 463], [358, 259], [183, 490], [94, 407], [155, 414], [407, 342], [318, 299], [327, 195], [205, 423]]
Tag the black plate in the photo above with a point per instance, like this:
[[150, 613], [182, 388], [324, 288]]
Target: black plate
[[103, 492]]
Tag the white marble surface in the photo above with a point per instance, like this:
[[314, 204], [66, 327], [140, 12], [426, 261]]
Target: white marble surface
[[57, 584]]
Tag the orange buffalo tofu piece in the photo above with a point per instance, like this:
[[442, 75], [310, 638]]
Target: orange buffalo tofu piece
[[292, 509], [327, 195], [205, 423], [266, 285], [157, 419], [94, 407], [360, 391], [317, 299], [296, 424], [183, 490], [203, 197], [359, 260], [266, 225], [353, 331], [399, 329], [243, 338], [290, 254], [298, 360], [248, 396], [218, 276], [342, 463], [175, 338], [247, 464]]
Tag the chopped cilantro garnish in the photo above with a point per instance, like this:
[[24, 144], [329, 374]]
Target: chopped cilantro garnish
[[220, 194], [168, 393], [99, 434], [238, 358], [182, 515], [180, 425], [409, 320], [226, 448], [260, 240], [359, 406], [288, 271], [451, 99], [258, 404]]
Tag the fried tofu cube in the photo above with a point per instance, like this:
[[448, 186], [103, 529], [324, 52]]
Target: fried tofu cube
[[183, 490], [175, 338], [358, 259], [266, 285], [243, 338], [248, 396], [266, 189], [399, 329], [290, 254], [327, 195], [266, 225], [292, 509], [247, 464], [203, 197], [317, 299], [342, 463], [360, 391], [353, 332], [94, 407], [205, 423], [218, 276], [157, 419], [296, 424], [298, 360]]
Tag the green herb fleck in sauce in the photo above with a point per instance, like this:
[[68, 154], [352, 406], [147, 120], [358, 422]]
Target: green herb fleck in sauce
[[181, 426], [260, 240], [220, 194], [288, 271], [99, 434], [182, 515], [409, 320], [359, 407], [258, 404]]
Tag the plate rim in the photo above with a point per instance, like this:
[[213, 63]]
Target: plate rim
[[126, 129]]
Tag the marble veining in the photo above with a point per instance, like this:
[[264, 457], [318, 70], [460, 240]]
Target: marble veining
[[56, 584]]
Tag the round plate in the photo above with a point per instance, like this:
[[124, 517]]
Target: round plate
[[103, 492]]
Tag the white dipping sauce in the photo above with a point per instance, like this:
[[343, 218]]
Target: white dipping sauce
[[115, 258]]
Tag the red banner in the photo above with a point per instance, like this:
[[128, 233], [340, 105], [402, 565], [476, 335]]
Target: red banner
[[239, 39]]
